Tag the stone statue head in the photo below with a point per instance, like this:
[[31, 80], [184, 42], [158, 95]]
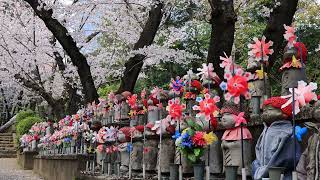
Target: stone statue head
[[316, 112], [272, 110], [291, 73], [228, 111]]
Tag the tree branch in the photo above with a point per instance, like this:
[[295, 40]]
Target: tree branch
[[70, 46]]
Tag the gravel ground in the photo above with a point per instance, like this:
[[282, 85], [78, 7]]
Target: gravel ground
[[9, 170]]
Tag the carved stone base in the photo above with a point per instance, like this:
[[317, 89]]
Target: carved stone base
[[232, 154]]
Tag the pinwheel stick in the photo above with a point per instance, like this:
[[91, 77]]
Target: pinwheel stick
[[243, 170], [143, 151], [208, 162], [160, 143], [130, 156], [263, 73]]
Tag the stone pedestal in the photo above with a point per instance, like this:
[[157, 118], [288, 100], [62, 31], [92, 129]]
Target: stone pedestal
[[232, 154], [151, 154], [167, 155], [137, 153], [216, 158]]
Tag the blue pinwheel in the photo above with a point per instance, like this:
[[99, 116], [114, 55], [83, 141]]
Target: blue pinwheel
[[129, 147], [300, 131]]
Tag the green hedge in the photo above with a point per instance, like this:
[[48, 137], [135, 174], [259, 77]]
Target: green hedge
[[24, 121], [24, 114]]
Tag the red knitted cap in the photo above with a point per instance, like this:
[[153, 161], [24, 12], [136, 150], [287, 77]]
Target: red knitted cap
[[230, 108], [300, 47], [277, 102]]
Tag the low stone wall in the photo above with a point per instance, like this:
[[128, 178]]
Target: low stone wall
[[26, 159], [59, 167]]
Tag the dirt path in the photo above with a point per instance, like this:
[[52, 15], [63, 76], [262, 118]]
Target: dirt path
[[9, 170]]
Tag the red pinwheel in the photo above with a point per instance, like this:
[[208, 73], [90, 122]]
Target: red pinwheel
[[207, 106], [237, 85], [175, 109]]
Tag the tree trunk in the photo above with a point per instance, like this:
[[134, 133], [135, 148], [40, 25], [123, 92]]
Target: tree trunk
[[222, 21], [134, 64], [274, 31], [57, 105], [70, 46]]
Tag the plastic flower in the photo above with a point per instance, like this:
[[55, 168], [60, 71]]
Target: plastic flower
[[239, 119], [209, 138], [198, 139], [260, 49], [304, 93], [289, 35], [237, 85], [175, 108], [176, 135], [207, 106]]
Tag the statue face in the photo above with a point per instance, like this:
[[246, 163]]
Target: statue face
[[271, 114], [290, 78], [316, 113], [227, 121]]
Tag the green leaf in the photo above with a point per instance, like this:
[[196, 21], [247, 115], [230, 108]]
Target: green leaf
[[190, 132], [192, 157], [197, 151], [190, 123], [198, 127]]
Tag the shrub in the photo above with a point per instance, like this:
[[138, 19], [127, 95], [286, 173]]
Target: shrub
[[25, 124], [24, 114]]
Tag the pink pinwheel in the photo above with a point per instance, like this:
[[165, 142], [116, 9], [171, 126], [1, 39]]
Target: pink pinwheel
[[207, 106], [155, 93], [161, 126], [289, 35], [206, 72], [239, 119], [260, 49], [237, 85], [304, 93], [227, 63], [175, 109], [143, 94]]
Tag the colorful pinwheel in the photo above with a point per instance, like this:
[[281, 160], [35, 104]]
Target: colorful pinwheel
[[237, 85], [239, 119], [177, 85], [260, 49], [304, 93], [207, 106], [206, 72], [289, 35], [175, 109]]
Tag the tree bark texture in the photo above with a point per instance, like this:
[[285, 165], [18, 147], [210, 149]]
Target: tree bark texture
[[274, 31], [222, 21], [70, 46], [134, 64], [57, 105]]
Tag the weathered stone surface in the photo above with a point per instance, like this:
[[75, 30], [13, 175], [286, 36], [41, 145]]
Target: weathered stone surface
[[25, 159], [137, 154], [151, 154], [232, 154], [59, 167], [167, 155], [215, 160]]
